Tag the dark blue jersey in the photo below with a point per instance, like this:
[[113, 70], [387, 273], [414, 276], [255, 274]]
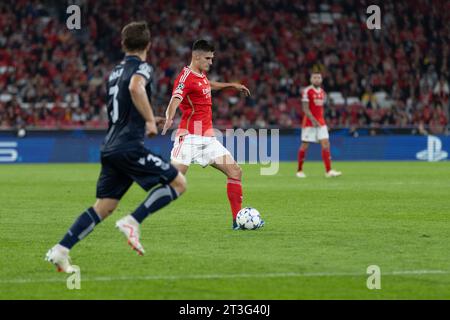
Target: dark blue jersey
[[126, 130]]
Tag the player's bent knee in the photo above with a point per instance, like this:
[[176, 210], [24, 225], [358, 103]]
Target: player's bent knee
[[179, 183], [180, 167], [325, 145], [105, 207], [235, 172]]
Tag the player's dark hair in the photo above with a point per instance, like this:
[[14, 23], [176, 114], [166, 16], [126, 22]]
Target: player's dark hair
[[203, 45], [135, 36]]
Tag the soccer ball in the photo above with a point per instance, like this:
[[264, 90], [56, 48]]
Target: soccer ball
[[249, 219]]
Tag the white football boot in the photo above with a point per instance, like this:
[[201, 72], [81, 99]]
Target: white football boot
[[130, 228], [59, 256], [332, 174], [301, 174]]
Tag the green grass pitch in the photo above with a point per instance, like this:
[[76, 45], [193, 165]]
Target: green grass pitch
[[320, 235]]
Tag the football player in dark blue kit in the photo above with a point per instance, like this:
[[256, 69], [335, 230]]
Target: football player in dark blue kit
[[124, 158]]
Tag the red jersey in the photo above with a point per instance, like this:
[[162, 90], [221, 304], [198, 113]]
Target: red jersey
[[316, 99], [194, 91]]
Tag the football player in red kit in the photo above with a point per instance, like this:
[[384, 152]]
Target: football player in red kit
[[195, 141], [314, 128]]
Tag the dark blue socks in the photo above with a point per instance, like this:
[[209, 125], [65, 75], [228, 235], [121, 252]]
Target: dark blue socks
[[157, 199], [81, 228]]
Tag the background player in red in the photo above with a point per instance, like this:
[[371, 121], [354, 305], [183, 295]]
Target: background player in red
[[314, 128], [195, 141]]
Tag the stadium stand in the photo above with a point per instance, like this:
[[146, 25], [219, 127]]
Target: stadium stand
[[51, 77]]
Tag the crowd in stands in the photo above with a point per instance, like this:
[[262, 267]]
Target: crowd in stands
[[52, 77]]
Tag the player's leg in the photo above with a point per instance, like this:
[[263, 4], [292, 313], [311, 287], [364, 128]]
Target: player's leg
[[111, 186], [86, 222], [83, 225], [180, 167], [326, 154], [233, 171], [105, 207], [150, 170], [309, 135], [172, 184], [157, 199], [301, 158], [176, 187], [160, 197]]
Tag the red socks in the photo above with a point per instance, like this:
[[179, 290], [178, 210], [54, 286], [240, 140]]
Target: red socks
[[326, 157], [301, 158], [234, 192]]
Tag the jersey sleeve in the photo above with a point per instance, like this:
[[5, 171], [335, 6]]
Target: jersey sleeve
[[145, 70], [305, 95], [181, 87]]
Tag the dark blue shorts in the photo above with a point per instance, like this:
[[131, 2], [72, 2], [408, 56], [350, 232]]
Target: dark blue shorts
[[120, 170]]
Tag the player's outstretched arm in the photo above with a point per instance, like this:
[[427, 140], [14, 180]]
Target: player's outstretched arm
[[225, 85], [140, 100], [170, 113], [308, 113]]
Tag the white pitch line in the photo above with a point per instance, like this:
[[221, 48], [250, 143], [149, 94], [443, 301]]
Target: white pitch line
[[223, 276]]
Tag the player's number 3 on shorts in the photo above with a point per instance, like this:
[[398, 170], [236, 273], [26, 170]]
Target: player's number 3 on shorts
[[115, 111]]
